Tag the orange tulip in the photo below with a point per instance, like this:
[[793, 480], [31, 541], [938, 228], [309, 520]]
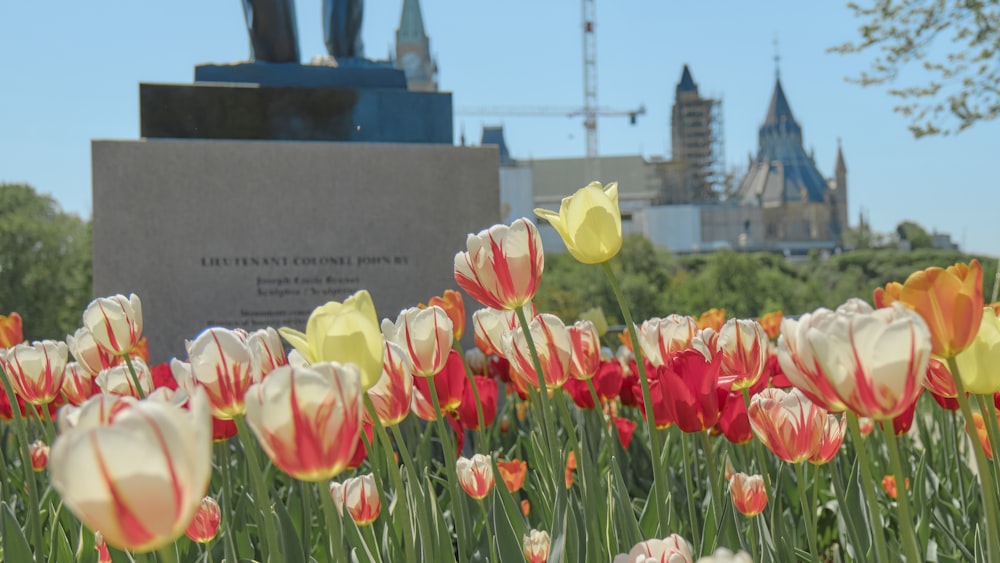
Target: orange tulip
[[453, 304], [949, 299], [748, 493], [525, 507], [206, 521], [11, 330], [513, 473], [981, 432], [712, 318], [570, 468], [771, 323], [889, 484]]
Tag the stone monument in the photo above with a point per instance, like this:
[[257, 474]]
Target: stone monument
[[243, 206]]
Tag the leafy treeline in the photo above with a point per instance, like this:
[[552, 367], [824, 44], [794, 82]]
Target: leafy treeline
[[657, 283], [45, 263]]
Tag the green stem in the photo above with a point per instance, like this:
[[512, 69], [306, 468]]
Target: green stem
[[167, 554], [306, 494], [910, 546], [335, 543], [371, 545], [395, 476], [987, 491], [24, 451], [713, 479], [208, 553], [263, 502], [987, 410], [758, 449], [457, 494], [875, 517], [689, 486], [549, 433], [227, 498], [808, 512], [135, 377], [659, 475], [490, 535], [750, 539]]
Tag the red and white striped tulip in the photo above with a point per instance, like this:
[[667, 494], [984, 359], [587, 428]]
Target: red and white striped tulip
[[874, 362], [78, 384], [535, 546], [586, 357], [748, 493], [36, 370], [743, 345], [87, 353], [139, 475], [391, 394], [307, 420], [671, 549], [425, 335], [829, 444], [554, 347], [115, 322], [661, 337], [502, 266], [800, 364], [117, 380], [218, 362], [788, 423], [475, 475], [266, 351], [360, 496], [39, 454], [492, 327], [206, 521]]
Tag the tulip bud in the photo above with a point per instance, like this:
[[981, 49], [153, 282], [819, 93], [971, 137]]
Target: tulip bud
[[748, 492], [206, 521], [39, 455], [115, 322], [475, 475], [589, 222], [359, 496], [536, 546], [476, 360]]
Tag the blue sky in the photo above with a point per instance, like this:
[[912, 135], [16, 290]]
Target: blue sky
[[71, 73]]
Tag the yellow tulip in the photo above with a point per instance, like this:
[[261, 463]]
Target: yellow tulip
[[347, 333], [596, 316], [589, 222], [977, 364]]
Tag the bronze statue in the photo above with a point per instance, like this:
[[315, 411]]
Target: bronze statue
[[274, 38]]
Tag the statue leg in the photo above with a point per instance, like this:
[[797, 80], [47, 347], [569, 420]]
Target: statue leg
[[342, 27], [273, 34]]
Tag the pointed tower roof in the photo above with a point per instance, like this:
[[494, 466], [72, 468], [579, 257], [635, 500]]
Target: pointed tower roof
[[687, 82], [778, 111], [411, 22], [840, 165], [493, 135]]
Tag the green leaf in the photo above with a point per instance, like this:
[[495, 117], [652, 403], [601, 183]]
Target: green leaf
[[622, 513], [507, 538], [557, 545], [15, 545], [291, 541]]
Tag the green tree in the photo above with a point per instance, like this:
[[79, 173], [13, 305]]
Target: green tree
[[915, 234], [45, 263], [958, 44]]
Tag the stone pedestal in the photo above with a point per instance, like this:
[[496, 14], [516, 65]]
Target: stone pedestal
[[258, 233]]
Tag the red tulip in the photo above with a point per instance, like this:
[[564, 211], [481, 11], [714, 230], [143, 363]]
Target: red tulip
[[688, 381]]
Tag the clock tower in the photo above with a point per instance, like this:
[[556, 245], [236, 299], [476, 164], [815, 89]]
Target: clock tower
[[413, 53]]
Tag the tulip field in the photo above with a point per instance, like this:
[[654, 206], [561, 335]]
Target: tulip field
[[863, 433]]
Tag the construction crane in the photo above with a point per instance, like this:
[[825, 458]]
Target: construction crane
[[590, 110]]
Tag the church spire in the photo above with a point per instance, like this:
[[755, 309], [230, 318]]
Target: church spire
[[778, 111], [411, 22], [413, 51]]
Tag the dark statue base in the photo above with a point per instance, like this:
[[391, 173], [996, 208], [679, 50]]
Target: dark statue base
[[360, 101]]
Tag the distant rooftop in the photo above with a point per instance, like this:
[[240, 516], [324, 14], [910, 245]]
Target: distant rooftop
[[493, 135], [687, 82]]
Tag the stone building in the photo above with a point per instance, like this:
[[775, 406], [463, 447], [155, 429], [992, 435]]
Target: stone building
[[413, 50]]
